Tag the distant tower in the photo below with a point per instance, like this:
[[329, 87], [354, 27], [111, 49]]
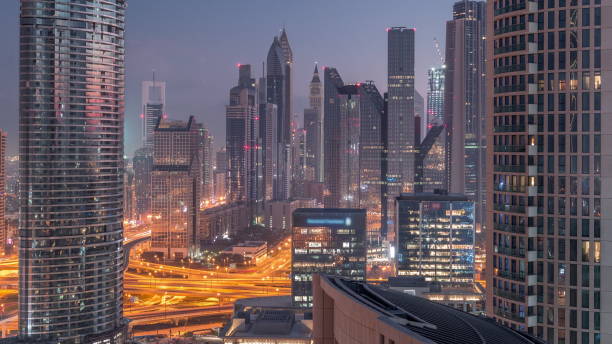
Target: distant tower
[[314, 126], [176, 188], [435, 96], [278, 91], [465, 94], [400, 114], [242, 141], [153, 108]]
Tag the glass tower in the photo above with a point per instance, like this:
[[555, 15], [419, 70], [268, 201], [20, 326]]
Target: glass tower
[[328, 241], [71, 168], [435, 237]]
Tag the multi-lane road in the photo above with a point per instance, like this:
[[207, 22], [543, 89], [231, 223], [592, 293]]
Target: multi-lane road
[[152, 298]]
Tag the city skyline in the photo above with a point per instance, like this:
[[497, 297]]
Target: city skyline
[[197, 75]]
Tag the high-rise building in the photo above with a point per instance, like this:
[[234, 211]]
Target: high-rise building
[[242, 139], [464, 109], [220, 174], [71, 171], [207, 164], [549, 254], [400, 113], [143, 166], [279, 92], [430, 161], [435, 96], [435, 237], [419, 114], [371, 159], [313, 123], [354, 149], [329, 241], [331, 133], [129, 193], [176, 188], [153, 100], [3, 225]]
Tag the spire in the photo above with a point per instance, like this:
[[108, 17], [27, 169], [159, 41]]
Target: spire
[[315, 75], [284, 43]]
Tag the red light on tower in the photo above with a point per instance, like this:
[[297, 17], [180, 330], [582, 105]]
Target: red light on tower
[[238, 65], [388, 29], [142, 115]]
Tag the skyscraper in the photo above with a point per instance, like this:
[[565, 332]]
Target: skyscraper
[[278, 91], [464, 109], [435, 96], [419, 111], [435, 238], [71, 171], [549, 257], [220, 174], [400, 113], [331, 130], [3, 229], [206, 141], [430, 161], [242, 140], [313, 123], [153, 107], [143, 165], [176, 188], [328, 241]]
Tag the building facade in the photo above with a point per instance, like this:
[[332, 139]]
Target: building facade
[[435, 237], [329, 241], [71, 171], [175, 190], [143, 167], [351, 312], [435, 96], [549, 248]]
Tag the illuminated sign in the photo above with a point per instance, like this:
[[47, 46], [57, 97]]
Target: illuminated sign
[[346, 221]]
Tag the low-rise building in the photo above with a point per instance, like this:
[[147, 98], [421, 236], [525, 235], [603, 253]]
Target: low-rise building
[[253, 251], [270, 320], [278, 214]]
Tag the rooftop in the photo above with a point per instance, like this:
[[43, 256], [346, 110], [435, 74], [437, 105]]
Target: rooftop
[[439, 323]]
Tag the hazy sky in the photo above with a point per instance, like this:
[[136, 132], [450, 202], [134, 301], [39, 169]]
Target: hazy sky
[[194, 46]]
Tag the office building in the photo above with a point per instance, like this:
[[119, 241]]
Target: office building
[[329, 241], [365, 313], [549, 251], [435, 96], [176, 188], [71, 135], [143, 167], [129, 193], [220, 174], [400, 115], [279, 214], [464, 109], [331, 134], [153, 100], [435, 237], [279, 92]]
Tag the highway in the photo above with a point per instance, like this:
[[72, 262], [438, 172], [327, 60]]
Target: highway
[[151, 298]]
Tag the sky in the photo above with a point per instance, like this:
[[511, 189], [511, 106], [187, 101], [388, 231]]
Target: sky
[[194, 45]]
